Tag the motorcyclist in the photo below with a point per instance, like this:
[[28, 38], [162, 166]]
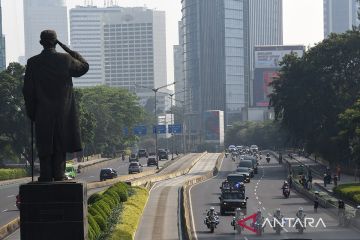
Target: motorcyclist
[[285, 186], [212, 213], [277, 215], [259, 222], [300, 214]]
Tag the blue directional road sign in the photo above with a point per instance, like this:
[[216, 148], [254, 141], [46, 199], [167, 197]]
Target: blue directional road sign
[[176, 128], [161, 129], [125, 131], [140, 130]]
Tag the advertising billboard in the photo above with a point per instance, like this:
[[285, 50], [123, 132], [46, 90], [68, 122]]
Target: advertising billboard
[[262, 88], [271, 56], [214, 126], [266, 67]]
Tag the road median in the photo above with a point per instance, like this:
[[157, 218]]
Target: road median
[[185, 206]]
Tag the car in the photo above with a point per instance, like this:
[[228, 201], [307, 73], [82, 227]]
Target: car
[[234, 178], [151, 161], [162, 154], [133, 157], [247, 172], [107, 173], [135, 167], [248, 164], [142, 153], [253, 159], [70, 171], [231, 200], [254, 148]]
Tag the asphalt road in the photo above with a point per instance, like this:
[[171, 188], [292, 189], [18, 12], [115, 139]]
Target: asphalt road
[[264, 192], [8, 210], [160, 218]]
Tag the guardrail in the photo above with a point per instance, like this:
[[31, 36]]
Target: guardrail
[[325, 200], [187, 224]]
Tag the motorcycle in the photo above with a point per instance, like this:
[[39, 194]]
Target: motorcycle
[[238, 216], [300, 225], [286, 192], [276, 226], [258, 225], [211, 222], [268, 159]]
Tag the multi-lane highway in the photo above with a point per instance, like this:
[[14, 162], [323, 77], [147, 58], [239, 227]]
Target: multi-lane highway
[[8, 210], [264, 192], [160, 219]]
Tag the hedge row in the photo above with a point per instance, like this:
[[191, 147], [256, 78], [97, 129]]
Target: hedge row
[[6, 174], [101, 207], [349, 191], [130, 215]]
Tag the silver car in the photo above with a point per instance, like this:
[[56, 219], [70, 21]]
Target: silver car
[[135, 167]]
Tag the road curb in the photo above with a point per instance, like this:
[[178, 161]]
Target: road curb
[[9, 228], [186, 219]]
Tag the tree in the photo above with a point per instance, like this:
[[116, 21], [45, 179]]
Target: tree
[[14, 124], [349, 122], [313, 90], [113, 109]]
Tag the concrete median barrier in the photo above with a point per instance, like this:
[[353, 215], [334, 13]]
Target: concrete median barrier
[[9, 228], [187, 224]]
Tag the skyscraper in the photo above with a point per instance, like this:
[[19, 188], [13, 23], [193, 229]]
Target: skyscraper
[[2, 45], [266, 28], [216, 60], [40, 15], [125, 47], [340, 16], [179, 69]]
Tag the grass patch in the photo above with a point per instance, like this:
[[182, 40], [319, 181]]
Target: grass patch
[[130, 215], [7, 174], [350, 191]]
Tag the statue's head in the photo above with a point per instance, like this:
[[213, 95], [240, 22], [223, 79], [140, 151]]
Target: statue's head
[[48, 38]]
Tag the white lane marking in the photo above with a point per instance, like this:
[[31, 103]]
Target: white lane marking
[[179, 215], [264, 208], [269, 214], [245, 238], [11, 196], [255, 193], [5, 210], [259, 202], [257, 198]]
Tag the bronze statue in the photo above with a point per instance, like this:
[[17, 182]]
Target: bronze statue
[[50, 104]]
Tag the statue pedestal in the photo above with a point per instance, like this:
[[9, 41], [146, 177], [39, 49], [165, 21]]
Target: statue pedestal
[[53, 210]]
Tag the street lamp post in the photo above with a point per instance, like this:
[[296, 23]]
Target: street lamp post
[[172, 131], [155, 90]]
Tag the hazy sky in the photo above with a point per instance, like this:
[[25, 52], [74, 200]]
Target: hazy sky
[[303, 23]]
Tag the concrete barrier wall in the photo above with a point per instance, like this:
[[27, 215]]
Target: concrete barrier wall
[[187, 224], [9, 228]]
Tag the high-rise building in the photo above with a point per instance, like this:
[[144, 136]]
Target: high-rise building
[[40, 15], [216, 56], [266, 29], [2, 45], [340, 16], [125, 47], [179, 69]]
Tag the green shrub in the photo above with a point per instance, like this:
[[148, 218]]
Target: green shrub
[[94, 226], [111, 202], [101, 222], [94, 198], [13, 173], [131, 214], [349, 191], [99, 210]]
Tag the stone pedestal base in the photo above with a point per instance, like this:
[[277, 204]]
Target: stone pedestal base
[[53, 210]]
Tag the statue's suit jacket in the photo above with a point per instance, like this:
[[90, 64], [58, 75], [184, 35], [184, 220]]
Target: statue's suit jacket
[[49, 99]]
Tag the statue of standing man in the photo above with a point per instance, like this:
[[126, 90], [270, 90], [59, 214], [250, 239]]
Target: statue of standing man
[[50, 104]]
